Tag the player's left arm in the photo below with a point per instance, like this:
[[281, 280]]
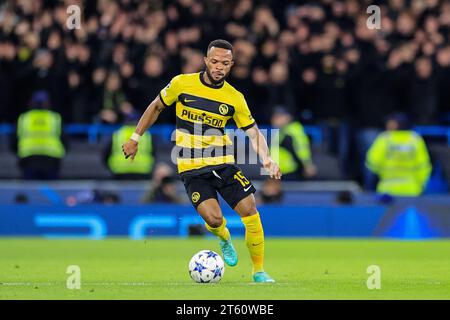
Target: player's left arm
[[259, 144], [244, 120]]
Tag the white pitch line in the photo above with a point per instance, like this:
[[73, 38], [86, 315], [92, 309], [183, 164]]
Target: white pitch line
[[23, 284]]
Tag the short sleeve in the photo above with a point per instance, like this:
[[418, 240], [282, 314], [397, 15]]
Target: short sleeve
[[242, 115], [169, 94]]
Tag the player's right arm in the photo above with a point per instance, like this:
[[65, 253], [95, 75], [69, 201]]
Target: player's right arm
[[148, 118], [166, 97]]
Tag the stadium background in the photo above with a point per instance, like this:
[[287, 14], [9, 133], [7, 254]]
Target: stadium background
[[317, 59]]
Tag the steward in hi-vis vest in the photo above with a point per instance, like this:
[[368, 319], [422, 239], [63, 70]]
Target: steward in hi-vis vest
[[400, 158], [39, 139], [140, 167], [39, 134], [293, 150]]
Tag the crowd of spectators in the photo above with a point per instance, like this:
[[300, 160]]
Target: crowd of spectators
[[317, 58]]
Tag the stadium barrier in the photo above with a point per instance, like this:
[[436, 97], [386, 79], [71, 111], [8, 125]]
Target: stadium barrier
[[94, 131], [404, 219]]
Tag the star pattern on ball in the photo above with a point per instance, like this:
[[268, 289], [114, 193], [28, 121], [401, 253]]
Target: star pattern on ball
[[199, 267], [217, 272], [212, 254]]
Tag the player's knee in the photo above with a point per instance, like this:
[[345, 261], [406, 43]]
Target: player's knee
[[252, 210], [246, 207], [249, 210], [214, 220]]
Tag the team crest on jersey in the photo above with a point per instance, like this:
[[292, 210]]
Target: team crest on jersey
[[195, 197], [223, 109]]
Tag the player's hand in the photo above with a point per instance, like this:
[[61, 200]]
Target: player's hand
[[130, 148], [273, 168]]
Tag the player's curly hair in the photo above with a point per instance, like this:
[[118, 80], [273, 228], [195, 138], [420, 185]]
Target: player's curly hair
[[220, 43]]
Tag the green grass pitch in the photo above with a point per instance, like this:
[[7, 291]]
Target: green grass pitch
[[157, 268]]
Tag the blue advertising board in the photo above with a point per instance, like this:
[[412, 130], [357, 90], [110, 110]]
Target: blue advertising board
[[99, 221], [137, 222]]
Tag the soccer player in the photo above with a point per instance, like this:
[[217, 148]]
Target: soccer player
[[204, 104]]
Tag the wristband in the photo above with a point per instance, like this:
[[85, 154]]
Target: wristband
[[135, 137]]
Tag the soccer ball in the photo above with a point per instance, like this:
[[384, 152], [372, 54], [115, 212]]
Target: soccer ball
[[206, 266]]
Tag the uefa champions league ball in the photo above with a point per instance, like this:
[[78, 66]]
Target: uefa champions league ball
[[206, 266]]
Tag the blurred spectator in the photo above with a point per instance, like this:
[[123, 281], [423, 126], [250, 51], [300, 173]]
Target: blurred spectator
[[331, 106], [39, 142], [79, 86], [167, 192], [443, 82], [96, 90], [294, 153], [151, 82], [8, 67], [108, 197], [21, 198], [259, 95], [280, 91], [344, 198], [127, 169], [400, 158], [163, 186], [115, 104], [423, 93], [94, 196], [46, 76], [270, 192], [196, 230]]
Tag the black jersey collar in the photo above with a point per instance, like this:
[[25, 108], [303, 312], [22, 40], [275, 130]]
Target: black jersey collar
[[210, 85]]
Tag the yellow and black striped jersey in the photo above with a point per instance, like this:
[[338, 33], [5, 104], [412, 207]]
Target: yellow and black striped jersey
[[202, 111]]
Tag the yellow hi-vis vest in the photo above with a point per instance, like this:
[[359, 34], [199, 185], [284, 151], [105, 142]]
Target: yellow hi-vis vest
[[39, 134], [401, 160], [285, 159], [142, 163]]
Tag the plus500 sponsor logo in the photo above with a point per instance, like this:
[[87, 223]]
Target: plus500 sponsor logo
[[204, 118]]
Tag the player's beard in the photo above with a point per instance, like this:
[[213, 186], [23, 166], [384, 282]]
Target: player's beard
[[216, 82]]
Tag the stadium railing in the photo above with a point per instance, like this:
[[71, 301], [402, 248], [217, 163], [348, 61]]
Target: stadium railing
[[94, 131]]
